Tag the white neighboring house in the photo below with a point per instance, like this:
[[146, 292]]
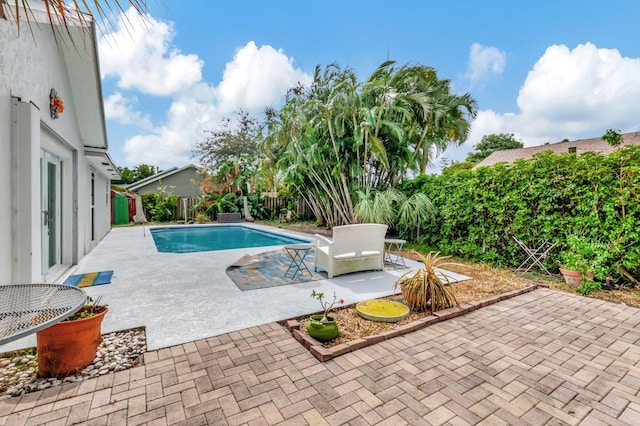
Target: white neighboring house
[[54, 172]]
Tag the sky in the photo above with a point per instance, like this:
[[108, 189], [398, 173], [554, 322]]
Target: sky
[[544, 71]]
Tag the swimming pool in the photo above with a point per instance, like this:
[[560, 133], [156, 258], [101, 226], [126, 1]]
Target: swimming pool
[[190, 239]]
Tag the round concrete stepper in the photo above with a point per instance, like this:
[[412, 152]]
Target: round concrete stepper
[[382, 310]]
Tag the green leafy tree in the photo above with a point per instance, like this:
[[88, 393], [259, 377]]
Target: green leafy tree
[[458, 165], [144, 171], [492, 143], [613, 137], [135, 174], [235, 138], [231, 154]]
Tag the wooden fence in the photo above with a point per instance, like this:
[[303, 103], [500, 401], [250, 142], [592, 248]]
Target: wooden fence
[[275, 206], [179, 210], [279, 205]]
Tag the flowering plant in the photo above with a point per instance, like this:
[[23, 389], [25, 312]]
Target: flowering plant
[[326, 306]]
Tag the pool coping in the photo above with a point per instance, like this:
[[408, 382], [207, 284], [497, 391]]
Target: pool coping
[[277, 232]]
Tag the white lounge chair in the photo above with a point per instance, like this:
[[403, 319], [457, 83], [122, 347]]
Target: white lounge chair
[[353, 248]]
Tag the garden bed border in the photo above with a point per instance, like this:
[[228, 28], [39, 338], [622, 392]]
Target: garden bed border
[[325, 354]]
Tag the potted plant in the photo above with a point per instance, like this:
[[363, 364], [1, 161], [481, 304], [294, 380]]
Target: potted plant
[[71, 344], [582, 259], [323, 327], [227, 209], [424, 288]]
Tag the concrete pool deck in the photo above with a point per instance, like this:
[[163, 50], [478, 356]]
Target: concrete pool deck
[[183, 297]]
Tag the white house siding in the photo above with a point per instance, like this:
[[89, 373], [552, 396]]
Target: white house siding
[[31, 64], [5, 194]]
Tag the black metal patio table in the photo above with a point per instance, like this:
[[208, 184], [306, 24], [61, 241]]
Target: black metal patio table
[[28, 308]]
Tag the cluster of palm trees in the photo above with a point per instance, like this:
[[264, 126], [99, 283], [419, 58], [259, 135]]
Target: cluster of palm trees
[[339, 142]]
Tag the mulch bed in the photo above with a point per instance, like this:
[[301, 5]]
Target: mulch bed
[[486, 282]]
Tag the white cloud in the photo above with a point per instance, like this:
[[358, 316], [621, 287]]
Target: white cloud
[[484, 63], [147, 62], [581, 90], [569, 94], [169, 145], [140, 56], [258, 77], [119, 108]]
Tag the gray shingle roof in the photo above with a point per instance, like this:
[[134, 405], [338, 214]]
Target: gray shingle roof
[[580, 145], [162, 175]]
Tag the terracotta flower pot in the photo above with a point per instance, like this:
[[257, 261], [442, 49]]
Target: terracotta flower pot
[[574, 278], [69, 346], [323, 331]]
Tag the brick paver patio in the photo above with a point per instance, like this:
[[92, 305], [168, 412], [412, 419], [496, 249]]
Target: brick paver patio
[[541, 358]]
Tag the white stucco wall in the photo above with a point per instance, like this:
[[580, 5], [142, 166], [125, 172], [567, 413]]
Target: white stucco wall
[[5, 194], [31, 64]]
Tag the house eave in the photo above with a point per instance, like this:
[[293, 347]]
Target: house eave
[[101, 160]]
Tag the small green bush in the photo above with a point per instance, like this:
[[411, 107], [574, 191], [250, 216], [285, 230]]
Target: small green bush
[[587, 287], [160, 205], [202, 218]]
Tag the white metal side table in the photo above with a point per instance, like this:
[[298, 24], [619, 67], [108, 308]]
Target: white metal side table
[[393, 252], [297, 252]]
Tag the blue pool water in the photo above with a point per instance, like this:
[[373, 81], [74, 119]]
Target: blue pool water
[[188, 239]]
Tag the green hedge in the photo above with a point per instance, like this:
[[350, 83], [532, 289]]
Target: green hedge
[[546, 198]]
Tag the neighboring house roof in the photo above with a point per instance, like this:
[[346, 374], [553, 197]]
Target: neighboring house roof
[[580, 146], [157, 177]]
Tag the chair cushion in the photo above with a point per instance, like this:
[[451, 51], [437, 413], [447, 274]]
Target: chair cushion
[[352, 255], [345, 256]]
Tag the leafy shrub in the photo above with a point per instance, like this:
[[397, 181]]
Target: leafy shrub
[[219, 203], [257, 207], [547, 198], [584, 255], [202, 218], [160, 205], [587, 287]]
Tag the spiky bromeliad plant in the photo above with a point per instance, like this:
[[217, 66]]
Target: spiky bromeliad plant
[[424, 289]]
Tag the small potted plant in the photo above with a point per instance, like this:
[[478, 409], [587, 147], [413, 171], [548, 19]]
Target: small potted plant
[[323, 327], [71, 344], [582, 259], [424, 288]]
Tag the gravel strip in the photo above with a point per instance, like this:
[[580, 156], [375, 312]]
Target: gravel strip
[[118, 351]]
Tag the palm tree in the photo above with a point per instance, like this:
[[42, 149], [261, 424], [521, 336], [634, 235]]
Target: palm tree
[[62, 13], [338, 136]]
